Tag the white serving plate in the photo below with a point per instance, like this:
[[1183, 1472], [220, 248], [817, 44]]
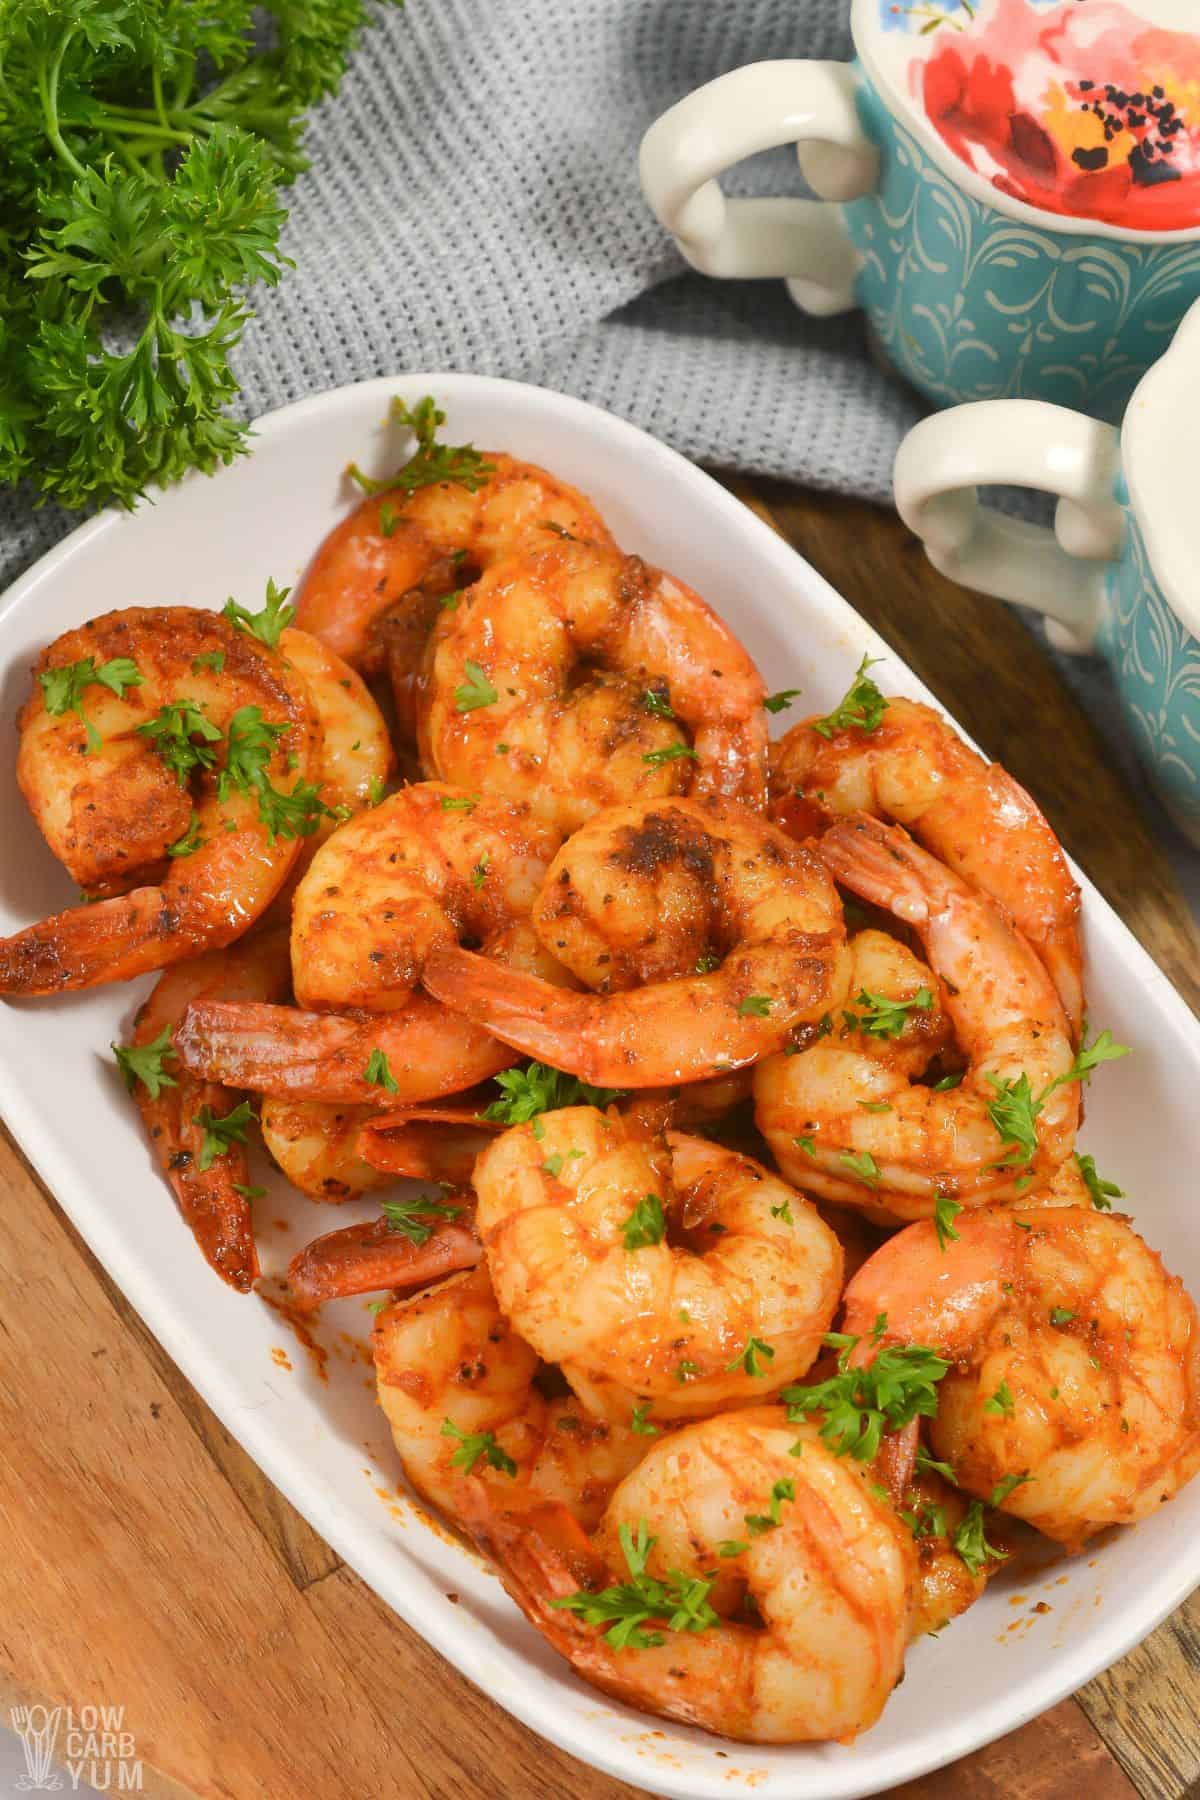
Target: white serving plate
[[323, 1443]]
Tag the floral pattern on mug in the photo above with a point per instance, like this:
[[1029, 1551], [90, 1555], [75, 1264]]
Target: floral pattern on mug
[[1078, 107]]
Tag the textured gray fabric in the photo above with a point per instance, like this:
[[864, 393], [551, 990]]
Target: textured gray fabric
[[473, 203]]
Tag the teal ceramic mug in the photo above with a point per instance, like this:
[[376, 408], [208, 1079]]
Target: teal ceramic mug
[[1015, 189], [1120, 572]]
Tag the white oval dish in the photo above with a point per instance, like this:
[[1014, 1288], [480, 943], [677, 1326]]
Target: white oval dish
[[324, 1443]]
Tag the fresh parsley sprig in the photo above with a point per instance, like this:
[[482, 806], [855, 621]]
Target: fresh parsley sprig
[[860, 1404], [221, 1134], [681, 1601], [861, 708], [537, 1088], [1014, 1111], [147, 1063], [63, 688], [430, 462], [408, 1217]]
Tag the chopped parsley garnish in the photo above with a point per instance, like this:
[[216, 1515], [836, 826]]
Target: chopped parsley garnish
[[685, 1371], [755, 1006], [293, 815], [408, 1216], [389, 518], [172, 733], [860, 1404], [473, 1445], [640, 1424], [928, 1465], [1060, 1315], [479, 872], [657, 703], [267, 625], [783, 1211], [191, 839], [220, 1135], [1014, 1111], [378, 1074], [247, 1192], [732, 1547], [752, 1357], [1004, 1488], [458, 803], [970, 1542], [806, 1144], [862, 708], [249, 746], [757, 1523], [707, 962], [862, 1165], [63, 689], [646, 1224], [209, 659], [670, 753], [681, 1601], [537, 1089], [553, 1167], [1001, 1403], [431, 462], [147, 1063], [947, 1082], [884, 1018], [929, 1522], [475, 691], [1103, 1192], [375, 790], [945, 1211], [777, 703]]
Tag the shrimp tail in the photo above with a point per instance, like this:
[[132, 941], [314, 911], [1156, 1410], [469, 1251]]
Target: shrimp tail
[[216, 1213], [323, 1056], [360, 1259], [883, 865], [428, 1143], [112, 940], [530, 1014]]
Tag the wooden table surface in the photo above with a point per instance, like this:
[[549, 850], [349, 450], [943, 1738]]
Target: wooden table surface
[[149, 1564]]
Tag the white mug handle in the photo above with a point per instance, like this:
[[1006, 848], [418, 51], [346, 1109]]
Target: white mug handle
[[809, 104], [1018, 443]]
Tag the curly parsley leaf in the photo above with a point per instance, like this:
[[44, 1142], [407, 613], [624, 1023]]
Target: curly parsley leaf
[[537, 1089], [191, 841], [881, 1017], [780, 702], [861, 709], [971, 1543], [473, 1445], [430, 462], [475, 691], [860, 1404], [1102, 1192], [945, 1211], [220, 1135], [269, 624], [646, 1224], [680, 1602], [173, 733], [63, 688], [408, 1216], [670, 753], [752, 1358], [147, 1063]]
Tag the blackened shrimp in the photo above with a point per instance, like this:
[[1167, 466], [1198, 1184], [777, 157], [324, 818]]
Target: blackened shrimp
[[580, 678], [164, 754], [734, 932]]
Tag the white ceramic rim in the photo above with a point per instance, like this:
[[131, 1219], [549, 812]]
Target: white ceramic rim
[[868, 35], [996, 1714]]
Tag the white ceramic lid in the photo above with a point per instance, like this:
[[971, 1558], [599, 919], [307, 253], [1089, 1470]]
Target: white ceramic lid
[[1083, 115], [1160, 455]]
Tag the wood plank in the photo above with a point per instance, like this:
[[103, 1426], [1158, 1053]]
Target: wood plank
[[1053, 1756], [986, 667], [1146, 1708]]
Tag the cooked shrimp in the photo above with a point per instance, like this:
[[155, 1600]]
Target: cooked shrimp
[[1076, 1360], [865, 1136], [214, 1201], [736, 932], [440, 538], [428, 866], [831, 1584], [673, 1270], [574, 679], [913, 768], [316, 1146], [934, 1511], [354, 753], [422, 1053], [174, 816], [451, 1369], [362, 1259]]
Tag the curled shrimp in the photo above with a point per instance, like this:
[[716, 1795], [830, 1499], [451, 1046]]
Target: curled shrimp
[[438, 538], [913, 769], [673, 1271], [865, 1135], [315, 1144], [829, 1588], [166, 823], [424, 867], [362, 1259], [736, 932], [214, 1200], [427, 866], [1075, 1386], [354, 753], [573, 680], [428, 1143], [453, 1376]]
